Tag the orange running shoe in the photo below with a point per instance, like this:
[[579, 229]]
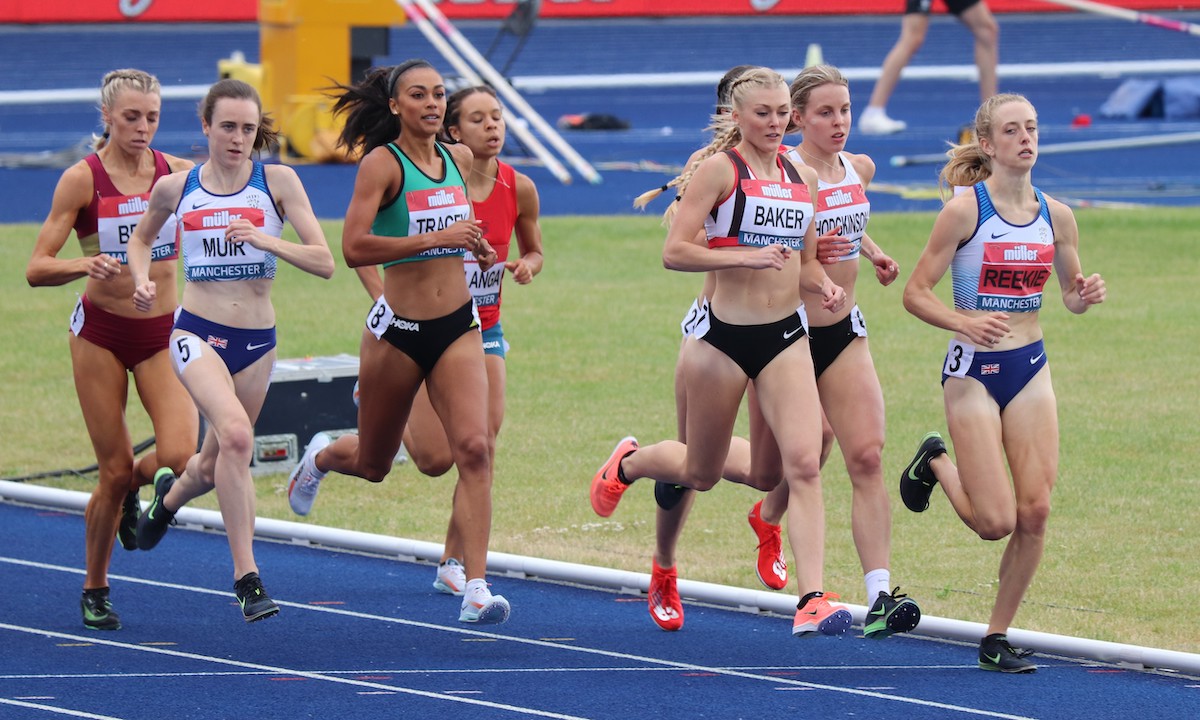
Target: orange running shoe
[[771, 567], [607, 487], [665, 606], [819, 615]]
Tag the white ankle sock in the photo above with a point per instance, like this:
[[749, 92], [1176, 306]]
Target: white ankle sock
[[877, 581]]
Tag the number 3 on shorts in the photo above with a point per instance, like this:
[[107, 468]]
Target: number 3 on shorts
[[959, 357]]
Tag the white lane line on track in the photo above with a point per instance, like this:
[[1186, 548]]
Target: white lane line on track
[[469, 633], [375, 671], [57, 710], [292, 672]]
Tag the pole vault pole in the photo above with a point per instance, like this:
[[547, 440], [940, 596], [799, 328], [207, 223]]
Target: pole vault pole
[[1069, 147], [506, 90], [1131, 15], [463, 68]]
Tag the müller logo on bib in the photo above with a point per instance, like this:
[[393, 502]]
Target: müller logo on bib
[[777, 191], [135, 205], [1020, 252], [221, 217], [435, 198], [840, 196], [441, 199]]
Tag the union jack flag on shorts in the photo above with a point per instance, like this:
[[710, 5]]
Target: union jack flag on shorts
[[222, 342], [989, 369]]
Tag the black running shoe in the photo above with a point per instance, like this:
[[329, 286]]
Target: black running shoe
[[127, 529], [153, 523], [253, 598], [996, 654], [917, 481], [891, 614], [98, 613]]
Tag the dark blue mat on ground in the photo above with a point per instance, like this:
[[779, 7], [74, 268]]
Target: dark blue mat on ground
[[367, 637]]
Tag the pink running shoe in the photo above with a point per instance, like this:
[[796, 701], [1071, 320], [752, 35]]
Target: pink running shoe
[[607, 487], [819, 615], [771, 567], [665, 606]]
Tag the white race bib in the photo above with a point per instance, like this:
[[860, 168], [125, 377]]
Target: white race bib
[[858, 323], [77, 318], [695, 313], [184, 350], [959, 357], [380, 318]]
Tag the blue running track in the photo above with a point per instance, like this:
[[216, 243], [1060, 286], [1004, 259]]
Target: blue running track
[[362, 636]]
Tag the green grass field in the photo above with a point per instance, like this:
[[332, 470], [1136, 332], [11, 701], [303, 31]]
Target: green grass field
[[594, 340]]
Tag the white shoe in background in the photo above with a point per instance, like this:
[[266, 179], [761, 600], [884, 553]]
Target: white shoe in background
[[874, 121]]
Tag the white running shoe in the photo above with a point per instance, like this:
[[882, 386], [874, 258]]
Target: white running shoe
[[480, 606], [306, 479], [874, 121], [451, 578]]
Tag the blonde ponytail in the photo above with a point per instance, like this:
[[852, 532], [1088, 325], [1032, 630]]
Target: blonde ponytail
[[967, 163]]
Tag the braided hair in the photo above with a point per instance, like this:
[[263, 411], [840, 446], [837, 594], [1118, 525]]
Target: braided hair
[[726, 133], [114, 83]]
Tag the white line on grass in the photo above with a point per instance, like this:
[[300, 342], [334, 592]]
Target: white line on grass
[[465, 632]]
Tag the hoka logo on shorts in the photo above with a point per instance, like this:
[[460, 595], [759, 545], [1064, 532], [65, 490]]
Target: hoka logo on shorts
[[441, 199], [407, 325], [220, 218], [1020, 252], [776, 191], [838, 198], [133, 206]]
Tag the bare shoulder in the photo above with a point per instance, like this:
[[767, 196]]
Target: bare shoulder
[[279, 171], [378, 168], [807, 174], [74, 191], [1058, 209], [169, 189], [76, 182], [962, 209], [285, 184], [461, 153], [379, 158], [863, 165], [1062, 217], [717, 165], [178, 164], [525, 184]]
